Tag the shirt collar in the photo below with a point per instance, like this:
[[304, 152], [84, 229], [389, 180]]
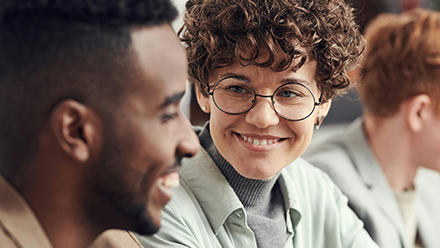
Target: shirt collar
[[218, 200], [366, 163], [289, 191], [371, 172], [211, 189]]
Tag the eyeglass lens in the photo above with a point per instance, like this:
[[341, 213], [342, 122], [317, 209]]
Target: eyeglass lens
[[291, 101]]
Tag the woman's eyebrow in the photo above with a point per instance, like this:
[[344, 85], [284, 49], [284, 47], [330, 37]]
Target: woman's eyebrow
[[297, 81], [283, 81], [230, 74]]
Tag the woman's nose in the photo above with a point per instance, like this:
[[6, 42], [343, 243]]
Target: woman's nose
[[262, 114]]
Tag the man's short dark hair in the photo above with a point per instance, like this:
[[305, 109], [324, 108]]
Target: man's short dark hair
[[51, 50]]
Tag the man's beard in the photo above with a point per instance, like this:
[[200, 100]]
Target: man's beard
[[109, 181]]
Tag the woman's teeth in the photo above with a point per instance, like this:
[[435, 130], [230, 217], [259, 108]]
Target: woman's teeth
[[258, 142]]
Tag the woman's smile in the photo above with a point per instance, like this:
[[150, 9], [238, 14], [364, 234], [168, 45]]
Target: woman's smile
[[259, 143]]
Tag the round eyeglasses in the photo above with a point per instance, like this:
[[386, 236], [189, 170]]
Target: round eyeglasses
[[291, 101]]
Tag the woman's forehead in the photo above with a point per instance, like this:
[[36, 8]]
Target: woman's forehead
[[306, 71]]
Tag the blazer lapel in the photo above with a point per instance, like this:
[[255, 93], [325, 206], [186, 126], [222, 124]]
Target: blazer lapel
[[373, 177], [427, 207]]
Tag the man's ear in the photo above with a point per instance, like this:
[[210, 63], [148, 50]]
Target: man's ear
[[78, 130], [203, 101], [418, 111]]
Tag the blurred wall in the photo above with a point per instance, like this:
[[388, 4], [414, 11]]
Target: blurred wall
[[186, 101]]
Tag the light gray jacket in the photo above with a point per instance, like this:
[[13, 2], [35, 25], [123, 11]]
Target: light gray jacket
[[349, 162]]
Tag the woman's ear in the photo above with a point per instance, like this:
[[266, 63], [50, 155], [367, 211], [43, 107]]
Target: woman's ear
[[321, 113], [203, 101], [322, 109]]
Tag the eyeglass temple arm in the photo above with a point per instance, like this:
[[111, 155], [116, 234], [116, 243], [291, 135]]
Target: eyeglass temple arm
[[319, 101]]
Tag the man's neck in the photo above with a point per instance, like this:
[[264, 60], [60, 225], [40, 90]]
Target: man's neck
[[390, 144], [59, 211]]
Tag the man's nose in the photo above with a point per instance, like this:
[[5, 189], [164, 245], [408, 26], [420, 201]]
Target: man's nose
[[189, 143]]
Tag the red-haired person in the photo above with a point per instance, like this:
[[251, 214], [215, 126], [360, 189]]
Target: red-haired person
[[387, 161]]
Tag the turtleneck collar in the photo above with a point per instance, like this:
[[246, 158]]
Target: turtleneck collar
[[253, 193]]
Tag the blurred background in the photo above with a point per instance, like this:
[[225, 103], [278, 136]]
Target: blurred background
[[344, 108]]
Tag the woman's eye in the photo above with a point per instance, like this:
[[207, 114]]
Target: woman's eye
[[236, 89], [286, 93]]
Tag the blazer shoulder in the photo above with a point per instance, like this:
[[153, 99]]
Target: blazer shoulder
[[333, 157]]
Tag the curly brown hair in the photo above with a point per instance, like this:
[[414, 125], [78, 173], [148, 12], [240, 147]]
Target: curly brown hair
[[402, 61], [218, 33]]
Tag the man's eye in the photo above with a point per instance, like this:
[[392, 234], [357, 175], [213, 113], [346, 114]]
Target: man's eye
[[167, 117]]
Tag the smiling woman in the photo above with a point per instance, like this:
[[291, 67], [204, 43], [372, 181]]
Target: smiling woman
[[265, 71]]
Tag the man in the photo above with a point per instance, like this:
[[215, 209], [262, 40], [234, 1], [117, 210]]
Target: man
[[382, 161], [91, 133]]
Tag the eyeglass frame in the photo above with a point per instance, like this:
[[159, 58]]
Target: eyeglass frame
[[265, 96]]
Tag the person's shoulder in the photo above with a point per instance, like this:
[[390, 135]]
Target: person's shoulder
[[428, 174], [331, 156], [325, 150], [5, 240], [116, 239], [427, 183], [304, 174], [303, 167], [312, 187], [427, 180], [336, 147], [339, 153], [323, 183]]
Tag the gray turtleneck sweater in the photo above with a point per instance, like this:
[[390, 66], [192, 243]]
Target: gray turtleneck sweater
[[262, 199]]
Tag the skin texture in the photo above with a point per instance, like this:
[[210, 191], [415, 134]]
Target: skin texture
[[400, 91], [405, 141], [102, 171], [151, 135], [262, 162], [428, 140]]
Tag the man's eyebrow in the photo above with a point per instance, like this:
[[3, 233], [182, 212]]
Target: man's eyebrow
[[172, 99]]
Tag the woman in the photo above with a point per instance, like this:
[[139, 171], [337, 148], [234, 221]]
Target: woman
[[265, 71]]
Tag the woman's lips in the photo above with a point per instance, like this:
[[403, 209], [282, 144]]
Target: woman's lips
[[259, 143]]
